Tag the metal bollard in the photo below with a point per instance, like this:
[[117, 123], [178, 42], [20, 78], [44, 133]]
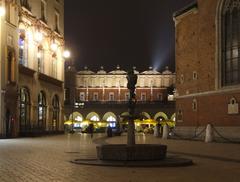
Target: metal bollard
[[209, 134], [165, 132]]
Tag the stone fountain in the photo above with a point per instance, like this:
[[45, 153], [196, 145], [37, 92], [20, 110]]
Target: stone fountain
[[131, 151], [132, 154]]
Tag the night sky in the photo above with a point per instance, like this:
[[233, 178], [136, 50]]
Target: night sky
[[121, 32]]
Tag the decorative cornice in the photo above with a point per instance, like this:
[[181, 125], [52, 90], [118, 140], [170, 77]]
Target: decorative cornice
[[49, 79], [34, 21], [26, 70]]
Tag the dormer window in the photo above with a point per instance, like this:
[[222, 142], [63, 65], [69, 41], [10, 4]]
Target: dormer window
[[43, 11], [25, 4], [56, 21]]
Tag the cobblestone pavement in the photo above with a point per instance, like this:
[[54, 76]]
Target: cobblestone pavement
[[48, 159]]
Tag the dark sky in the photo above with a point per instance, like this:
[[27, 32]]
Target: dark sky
[[126, 32]]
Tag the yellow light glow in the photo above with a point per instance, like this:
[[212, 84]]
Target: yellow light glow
[[54, 46], [2, 11], [39, 55], [39, 36]]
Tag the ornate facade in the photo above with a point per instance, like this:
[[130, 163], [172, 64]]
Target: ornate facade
[[112, 86], [104, 95], [33, 67], [208, 67]]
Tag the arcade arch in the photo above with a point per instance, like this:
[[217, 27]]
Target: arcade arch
[[160, 116]]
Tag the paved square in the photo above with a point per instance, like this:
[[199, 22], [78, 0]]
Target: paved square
[[48, 159]]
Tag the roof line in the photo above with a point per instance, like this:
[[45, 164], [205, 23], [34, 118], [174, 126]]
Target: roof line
[[185, 9]]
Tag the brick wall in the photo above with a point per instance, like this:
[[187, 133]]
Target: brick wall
[[195, 49]]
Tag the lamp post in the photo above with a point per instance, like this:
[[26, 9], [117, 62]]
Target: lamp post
[[66, 55]]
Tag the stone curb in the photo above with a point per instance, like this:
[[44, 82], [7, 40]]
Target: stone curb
[[168, 162]]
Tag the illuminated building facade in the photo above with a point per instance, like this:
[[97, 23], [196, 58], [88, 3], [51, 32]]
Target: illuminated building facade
[[33, 68], [208, 67], [105, 94]]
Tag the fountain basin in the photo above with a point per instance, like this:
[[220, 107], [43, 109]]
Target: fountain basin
[[138, 152]]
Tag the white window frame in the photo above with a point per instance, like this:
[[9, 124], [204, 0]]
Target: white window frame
[[195, 75], [82, 96], [143, 96], [111, 96], [95, 98], [194, 105]]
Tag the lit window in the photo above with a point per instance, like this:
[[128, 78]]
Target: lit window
[[82, 96], [54, 67], [23, 49], [230, 43], [40, 60]]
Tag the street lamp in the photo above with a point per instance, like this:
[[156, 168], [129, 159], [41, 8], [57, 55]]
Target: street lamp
[[66, 54]]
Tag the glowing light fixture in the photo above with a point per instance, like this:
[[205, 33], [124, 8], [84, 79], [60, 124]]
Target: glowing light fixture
[[2, 11], [39, 36], [54, 46], [66, 54], [39, 55]]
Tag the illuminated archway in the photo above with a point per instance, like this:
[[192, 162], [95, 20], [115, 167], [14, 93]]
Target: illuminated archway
[[160, 115], [110, 116], [123, 115], [145, 115], [93, 116], [173, 117], [76, 116]]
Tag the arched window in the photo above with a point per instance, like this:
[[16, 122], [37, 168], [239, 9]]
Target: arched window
[[40, 59], [10, 65], [23, 48], [24, 110], [42, 110], [54, 66], [55, 116], [230, 42]]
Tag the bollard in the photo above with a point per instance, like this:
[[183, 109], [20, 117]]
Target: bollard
[[165, 132], [209, 134]]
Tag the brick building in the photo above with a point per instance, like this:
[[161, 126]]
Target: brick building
[[32, 67], [208, 66]]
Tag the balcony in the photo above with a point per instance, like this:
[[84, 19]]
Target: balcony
[[50, 79]]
